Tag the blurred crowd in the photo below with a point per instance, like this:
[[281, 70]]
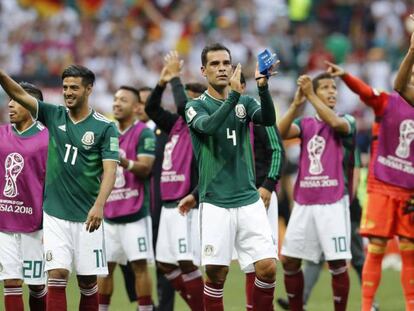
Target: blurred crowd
[[124, 41]]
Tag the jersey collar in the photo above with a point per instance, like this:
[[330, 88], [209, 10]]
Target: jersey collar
[[24, 131], [81, 120]]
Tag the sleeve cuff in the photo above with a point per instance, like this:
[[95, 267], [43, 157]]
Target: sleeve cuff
[[269, 184], [263, 89], [195, 193]]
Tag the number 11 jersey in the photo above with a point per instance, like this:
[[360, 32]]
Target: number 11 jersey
[[74, 165]]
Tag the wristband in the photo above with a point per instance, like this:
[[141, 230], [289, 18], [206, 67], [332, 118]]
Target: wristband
[[130, 165]]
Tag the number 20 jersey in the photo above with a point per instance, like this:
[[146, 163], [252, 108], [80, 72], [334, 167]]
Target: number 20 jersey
[[74, 165]]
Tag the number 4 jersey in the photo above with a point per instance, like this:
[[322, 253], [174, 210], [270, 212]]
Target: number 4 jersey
[[75, 155], [225, 158]]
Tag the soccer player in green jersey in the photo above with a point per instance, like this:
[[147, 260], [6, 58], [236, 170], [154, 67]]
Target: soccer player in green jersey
[[231, 211], [80, 174]]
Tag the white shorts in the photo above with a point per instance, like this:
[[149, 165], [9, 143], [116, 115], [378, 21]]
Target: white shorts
[[129, 242], [244, 228], [272, 217], [68, 244], [178, 237], [21, 257], [317, 229]]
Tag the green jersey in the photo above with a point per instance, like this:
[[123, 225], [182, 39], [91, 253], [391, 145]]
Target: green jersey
[[33, 129], [221, 141], [74, 165]]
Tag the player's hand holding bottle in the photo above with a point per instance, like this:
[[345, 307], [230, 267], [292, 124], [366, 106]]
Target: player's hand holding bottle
[[262, 79]]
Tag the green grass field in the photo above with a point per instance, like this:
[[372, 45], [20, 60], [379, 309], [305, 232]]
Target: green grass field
[[389, 294]]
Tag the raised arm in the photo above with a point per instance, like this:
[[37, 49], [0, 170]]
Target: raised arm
[[327, 114], [286, 128], [266, 114], [17, 93], [366, 93], [403, 84], [173, 65]]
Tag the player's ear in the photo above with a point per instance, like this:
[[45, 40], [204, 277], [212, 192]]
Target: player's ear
[[203, 71], [89, 89], [135, 107]]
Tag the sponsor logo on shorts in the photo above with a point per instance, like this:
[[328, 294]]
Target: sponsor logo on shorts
[[208, 250], [49, 256]]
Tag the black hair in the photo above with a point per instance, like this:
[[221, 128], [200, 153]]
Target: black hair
[[32, 90], [88, 77], [195, 87], [211, 48], [143, 89], [131, 89], [315, 81]]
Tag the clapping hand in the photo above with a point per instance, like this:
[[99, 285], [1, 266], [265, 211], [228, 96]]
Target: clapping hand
[[172, 67]]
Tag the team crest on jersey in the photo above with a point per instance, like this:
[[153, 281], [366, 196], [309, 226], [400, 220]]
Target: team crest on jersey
[[13, 166], [49, 256], [88, 138], [208, 250], [240, 111]]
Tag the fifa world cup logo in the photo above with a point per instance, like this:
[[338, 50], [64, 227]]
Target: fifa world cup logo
[[315, 147], [406, 137], [120, 178], [13, 166], [169, 148]]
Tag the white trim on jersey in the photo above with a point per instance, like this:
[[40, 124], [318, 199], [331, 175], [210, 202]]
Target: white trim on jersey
[[100, 117]]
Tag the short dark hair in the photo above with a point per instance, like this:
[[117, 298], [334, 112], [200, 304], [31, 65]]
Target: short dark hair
[[315, 81], [131, 89], [143, 89], [211, 48], [88, 77], [195, 87], [32, 90]]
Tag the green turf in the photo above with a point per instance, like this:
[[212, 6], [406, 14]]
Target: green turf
[[389, 294]]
